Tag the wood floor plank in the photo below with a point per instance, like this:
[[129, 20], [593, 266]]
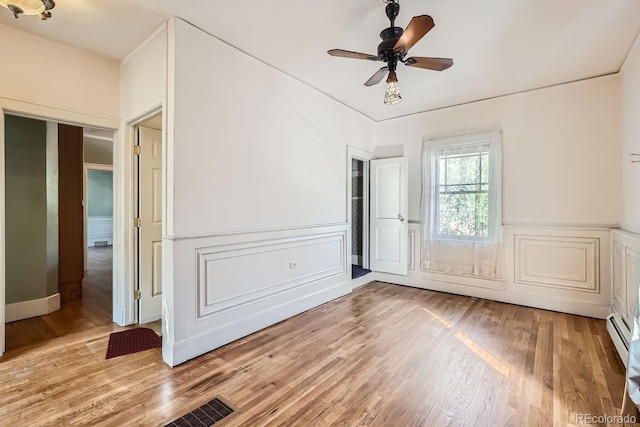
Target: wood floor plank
[[384, 355]]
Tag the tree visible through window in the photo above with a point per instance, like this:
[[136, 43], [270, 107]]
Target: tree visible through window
[[462, 196]]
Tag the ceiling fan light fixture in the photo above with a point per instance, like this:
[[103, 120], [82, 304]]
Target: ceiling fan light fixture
[[40, 8], [392, 92]]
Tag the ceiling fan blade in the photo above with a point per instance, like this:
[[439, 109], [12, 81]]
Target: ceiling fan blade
[[355, 55], [377, 77], [436, 64], [417, 28]]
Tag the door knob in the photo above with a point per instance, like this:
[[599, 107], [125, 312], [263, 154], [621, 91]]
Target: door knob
[[401, 218]]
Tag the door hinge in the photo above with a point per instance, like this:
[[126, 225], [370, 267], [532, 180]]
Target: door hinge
[[136, 294], [136, 150], [137, 222]]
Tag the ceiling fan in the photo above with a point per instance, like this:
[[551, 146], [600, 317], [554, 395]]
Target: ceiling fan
[[393, 49]]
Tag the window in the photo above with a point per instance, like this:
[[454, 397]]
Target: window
[[462, 196], [461, 205], [463, 176]]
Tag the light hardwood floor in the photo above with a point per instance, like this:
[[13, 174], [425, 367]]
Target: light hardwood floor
[[385, 355]]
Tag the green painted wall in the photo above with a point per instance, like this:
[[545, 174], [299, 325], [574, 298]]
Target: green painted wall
[[99, 192], [26, 209]]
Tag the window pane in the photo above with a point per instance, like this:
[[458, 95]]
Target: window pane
[[485, 168], [464, 214], [463, 178], [462, 169]]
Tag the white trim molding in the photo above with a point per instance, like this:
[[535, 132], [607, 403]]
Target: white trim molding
[[560, 262], [224, 282], [564, 269], [363, 280], [32, 308], [236, 284]]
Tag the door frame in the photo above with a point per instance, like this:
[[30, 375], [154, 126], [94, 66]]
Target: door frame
[[138, 206], [85, 201], [132, 136], [41, 112], [363, 156]]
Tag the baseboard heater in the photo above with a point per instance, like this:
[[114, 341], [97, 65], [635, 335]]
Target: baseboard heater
[[620, 335]]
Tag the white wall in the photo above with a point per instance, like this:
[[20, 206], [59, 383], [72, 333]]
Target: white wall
[[561, 192], [630, 136], [258, 182], [560, 150], [144, 77], [39, 71], [269, 150], [143, 88]]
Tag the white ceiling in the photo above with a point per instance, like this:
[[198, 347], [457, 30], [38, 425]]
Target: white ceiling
[[498, 46]]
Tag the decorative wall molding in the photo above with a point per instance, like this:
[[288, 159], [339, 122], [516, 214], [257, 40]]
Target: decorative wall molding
[[238, 283], [99, 229], [562, 262], [625, 278], [223, 281], [254, 231], [32, 308], [564, 269], [618, 291]]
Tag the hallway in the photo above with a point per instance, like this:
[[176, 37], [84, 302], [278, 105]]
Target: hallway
[[74, 317]]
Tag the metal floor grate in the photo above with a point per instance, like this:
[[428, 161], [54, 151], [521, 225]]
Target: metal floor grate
[[204, 416]]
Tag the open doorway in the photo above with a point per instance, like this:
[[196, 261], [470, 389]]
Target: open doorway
[[358, 212], [98, 194], [98, 197], [48, 293], [359, 229]]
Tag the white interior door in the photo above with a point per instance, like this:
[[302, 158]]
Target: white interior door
[[389, 209], [150, 237]]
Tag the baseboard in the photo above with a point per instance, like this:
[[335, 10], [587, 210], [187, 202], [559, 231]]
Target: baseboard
[[545, 302], [179, 352], [33, 308], [363, 280]]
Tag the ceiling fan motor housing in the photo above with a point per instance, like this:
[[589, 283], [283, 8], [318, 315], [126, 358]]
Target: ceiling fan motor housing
[[390, 37]]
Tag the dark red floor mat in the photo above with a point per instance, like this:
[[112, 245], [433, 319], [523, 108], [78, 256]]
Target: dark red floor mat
[[132, 341]]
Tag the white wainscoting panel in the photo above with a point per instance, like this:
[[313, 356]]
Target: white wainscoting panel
[[226, 277], [625, 275], [619, 292], [99, 229], [565, 269], [563, 262], [632, 276], [228, 286]]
